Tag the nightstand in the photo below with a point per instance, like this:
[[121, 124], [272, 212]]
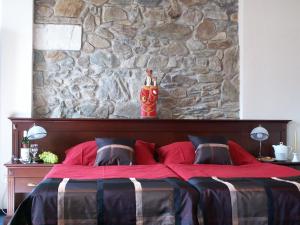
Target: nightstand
[[295, 165], [22, 178]]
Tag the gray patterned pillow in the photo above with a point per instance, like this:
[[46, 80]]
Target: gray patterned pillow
[[211, 150], [114, 151]]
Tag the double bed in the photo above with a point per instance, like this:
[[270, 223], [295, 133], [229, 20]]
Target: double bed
[[161, 192]]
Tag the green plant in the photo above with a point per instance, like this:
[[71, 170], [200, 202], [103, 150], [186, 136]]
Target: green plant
[[48, 157]]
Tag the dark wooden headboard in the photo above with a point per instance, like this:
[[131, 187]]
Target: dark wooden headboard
[[64, 133]]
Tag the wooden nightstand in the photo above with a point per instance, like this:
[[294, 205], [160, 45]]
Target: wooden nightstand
[[22, 178], [295, 165]]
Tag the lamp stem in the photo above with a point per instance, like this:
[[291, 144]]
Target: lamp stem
[[259, 154]]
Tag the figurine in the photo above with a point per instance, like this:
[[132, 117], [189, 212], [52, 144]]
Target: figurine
[[149, 96]]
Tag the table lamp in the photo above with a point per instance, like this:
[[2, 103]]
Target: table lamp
[[36, 132], [259, 134]]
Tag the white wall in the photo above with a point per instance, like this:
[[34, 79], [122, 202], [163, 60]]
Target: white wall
[[270, 61], [270, 79], [15, 71]]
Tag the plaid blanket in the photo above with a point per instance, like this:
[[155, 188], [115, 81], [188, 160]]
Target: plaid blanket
[[109, 201], [248, 201]]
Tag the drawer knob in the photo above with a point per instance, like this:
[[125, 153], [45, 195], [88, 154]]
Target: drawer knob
[[31, 185]]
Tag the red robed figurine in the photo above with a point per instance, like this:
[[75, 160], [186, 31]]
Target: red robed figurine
[[149, 96]]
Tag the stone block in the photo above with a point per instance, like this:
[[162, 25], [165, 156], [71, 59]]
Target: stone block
[[206, 30], [156, 14], [222, 44], [158, 62], [193, 2], [89, 23], [172, 31], [125, 31], [68, 8], [98, 42], [122, 50], [149, 2], [121, 2], [55, 56], [175, 48], [87, 47], [105, 33], [96, 2], [57, 37], [229, 92], [43, 11], [231, 60], [104, 59], [195, 46], [111, 13], [192, 16]]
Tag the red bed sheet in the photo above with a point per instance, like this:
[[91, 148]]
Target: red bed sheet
[[156, 171], [257, 170]]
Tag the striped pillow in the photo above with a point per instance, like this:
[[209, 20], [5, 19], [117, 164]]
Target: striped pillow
[[211, 150], [114, 151]]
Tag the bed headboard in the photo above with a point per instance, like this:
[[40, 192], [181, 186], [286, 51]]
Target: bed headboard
[[64, 133]]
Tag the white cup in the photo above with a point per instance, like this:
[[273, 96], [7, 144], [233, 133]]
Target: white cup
[[25, 154], [296, 157]]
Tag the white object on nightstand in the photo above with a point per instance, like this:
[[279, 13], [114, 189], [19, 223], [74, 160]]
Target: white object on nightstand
[[296, 157], [282, 151]]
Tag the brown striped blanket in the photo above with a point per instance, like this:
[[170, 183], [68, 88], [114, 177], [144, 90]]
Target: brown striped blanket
[[126, 201], [248, 201]]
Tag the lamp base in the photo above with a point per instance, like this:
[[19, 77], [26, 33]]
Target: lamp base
[[266, 159], [259, 153]]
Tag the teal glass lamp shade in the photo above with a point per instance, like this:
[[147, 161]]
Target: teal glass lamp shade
[[259, 134], [36, 132]]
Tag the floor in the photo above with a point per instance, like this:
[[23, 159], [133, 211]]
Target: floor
[[1, 217]]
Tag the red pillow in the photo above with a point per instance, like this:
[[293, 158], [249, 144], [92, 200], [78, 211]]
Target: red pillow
[[85, 153], [144, 152], [239, 155], [178, 152], [82, 154]]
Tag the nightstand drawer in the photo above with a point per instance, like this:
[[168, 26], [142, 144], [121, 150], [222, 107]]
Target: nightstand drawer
[[29, 172], [24, 185]]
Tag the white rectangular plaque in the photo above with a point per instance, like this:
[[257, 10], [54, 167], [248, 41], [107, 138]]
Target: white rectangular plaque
[[57, 37]]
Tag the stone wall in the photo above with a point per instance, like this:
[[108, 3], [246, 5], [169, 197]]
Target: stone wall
[[191, 45]]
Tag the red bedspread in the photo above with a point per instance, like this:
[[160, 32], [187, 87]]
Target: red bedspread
[[157, 171], [225, 171]]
